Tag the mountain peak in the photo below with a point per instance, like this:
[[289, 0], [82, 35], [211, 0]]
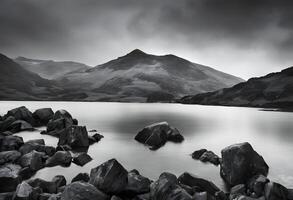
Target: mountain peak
[[136, 52]]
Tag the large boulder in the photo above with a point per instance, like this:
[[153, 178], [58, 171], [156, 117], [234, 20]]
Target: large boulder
[[10, 142], [9, 156], [167, 188], [275, 191], [82, 191], [9, 177], [46, 186], [156, 135], [82, 159], [63, 114], [6, 123], [194, 181], [62, 158], [75, 136], [55, 126], [30, 146], [21, 113], [43, 116], [20, 125], [240, 163], [33, 160], [137, 183], [110, 177]]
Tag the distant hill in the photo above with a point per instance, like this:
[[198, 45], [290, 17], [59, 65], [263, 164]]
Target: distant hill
[[141, 77], [50, 69], [272, 90]]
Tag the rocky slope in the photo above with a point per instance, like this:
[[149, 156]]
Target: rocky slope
[[272, 90], [50, 69], [140, 77]]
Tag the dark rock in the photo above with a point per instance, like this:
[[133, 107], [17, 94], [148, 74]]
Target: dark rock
[[30, 146], [55, 196], [114, 197], [74, 136], [62, 158], [9, 156], [92, 140], [22, 113], [275, 191], [202, 196], [56, 126], [237, 191], [6, 123], [197, 154], [211, 157], [240, 162], [9, 177], [137, 184], [26, 173], [10, 142], [59, 180], [256, 185], [167, 188], [98, 137], [82, 191], [84, 177], [44, 196], [191, 180], [156, 135], [93, 130], [46, 186], [20, 125], [23, 192], [75, 121], [43, 116], [63, 148], [110, 177], [63, 114], [82, 159], [6, 196], [33, 160]]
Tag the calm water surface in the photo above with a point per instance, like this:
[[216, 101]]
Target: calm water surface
[[211, 127]]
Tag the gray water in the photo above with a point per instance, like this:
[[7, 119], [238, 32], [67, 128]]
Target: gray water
[[211, 127]]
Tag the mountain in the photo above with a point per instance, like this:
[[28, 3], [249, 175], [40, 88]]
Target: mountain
[[272, 90], [141, 77], [50, 69]]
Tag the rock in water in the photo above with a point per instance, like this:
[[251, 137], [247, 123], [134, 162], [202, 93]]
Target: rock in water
[[156, 135], [198, 153], [82, 159], [240, 163], [59, 180], [84, 177], [62, 158], [110, 177], [137, 183], [82, 191], [33, 160], [9, 177], [43, 116], [22, 113], [211, 157], [74, 136]]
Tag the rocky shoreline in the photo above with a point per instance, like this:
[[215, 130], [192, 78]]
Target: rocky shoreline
[[241, 167]]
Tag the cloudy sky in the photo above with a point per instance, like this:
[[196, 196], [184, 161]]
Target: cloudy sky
[[242, 37]]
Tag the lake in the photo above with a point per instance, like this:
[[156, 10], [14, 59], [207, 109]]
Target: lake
[[211, 127]]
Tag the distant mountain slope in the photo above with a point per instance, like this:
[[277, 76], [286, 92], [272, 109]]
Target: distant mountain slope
[[272, 90], [141, 77], [50, 69]]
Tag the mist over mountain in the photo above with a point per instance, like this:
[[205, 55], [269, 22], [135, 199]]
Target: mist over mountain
[[272, 90]]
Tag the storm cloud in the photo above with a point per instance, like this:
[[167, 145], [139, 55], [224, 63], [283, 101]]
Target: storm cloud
[[242, 37]]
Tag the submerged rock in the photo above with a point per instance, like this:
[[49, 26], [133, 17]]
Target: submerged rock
[[43, 116], [9, 177], [240, 163], [82, 159], [156, 135], [62, 158], [82, 191], [110, 177]]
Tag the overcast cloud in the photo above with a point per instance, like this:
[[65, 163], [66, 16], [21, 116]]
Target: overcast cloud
[[241, 37]]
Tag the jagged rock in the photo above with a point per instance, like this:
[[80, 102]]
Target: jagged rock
[[59, 180], [82, 191], [84, 177], [20, 125], [22, 113], [211, 157], [110, 177], [256, 185], [46, 186], [275, 191], [43, 116], [6, 123], [192, 180], [33, 160], [10, 142], [167, 188], [62, 158], [197, 154], [30, 146], [240, 162], [137, 184], [23, 192], [74, 136], [9, 156], [98, 137], [9, 177], [82, 159]]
